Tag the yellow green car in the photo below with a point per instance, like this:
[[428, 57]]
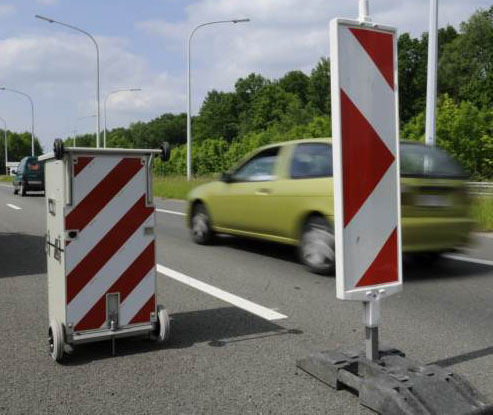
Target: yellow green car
[[284, 193]]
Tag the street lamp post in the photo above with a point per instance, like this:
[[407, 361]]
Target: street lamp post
[[80, 119], [431, 88], [32, 113], [364, 10], [6, 152], [97, 67], [189, 89], [105, 107]]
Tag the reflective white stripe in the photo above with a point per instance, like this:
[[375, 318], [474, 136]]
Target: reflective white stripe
[[10, 205], [251, 307], [172, 212], [469, 259], [90, 176], [111, 271], [377, 104], [137, 298], [369, 229], [104, 221]]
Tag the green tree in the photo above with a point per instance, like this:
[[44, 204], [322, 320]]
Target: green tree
[[463, 130], [318, 93], [413, 62], [466, 67], [296, 82], [218, 117]]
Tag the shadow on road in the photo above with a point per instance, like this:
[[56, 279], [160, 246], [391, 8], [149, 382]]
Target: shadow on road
[[21, 254], [465, 357], [218, 327], [446, 269], [259, 247]]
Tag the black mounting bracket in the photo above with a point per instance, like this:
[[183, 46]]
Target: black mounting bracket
[[396, 385]]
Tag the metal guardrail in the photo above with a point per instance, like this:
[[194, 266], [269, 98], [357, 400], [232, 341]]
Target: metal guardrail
[[480, 188]]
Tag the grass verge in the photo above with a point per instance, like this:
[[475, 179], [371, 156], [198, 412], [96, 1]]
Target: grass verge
[[4, 178], [176, 187], [482, 212]]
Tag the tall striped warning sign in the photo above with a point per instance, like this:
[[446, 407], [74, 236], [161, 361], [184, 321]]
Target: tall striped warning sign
[[366, 163], [108, 250]]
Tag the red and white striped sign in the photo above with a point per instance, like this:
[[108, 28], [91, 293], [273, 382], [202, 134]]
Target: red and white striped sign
[[112, 252], [366, 163]]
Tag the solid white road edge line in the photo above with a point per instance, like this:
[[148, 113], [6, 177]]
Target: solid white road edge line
[[258, 310], [7, 186], [13, 206], [172, 212], [469, 259]]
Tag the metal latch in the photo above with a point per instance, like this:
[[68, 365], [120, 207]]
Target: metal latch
[[112, 310], [57, 247], [52, 206]]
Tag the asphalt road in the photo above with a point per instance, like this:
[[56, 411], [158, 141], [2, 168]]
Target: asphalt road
[[223, 359]]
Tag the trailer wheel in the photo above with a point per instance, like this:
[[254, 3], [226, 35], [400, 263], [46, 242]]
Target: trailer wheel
[[55, 339], [163, 326]]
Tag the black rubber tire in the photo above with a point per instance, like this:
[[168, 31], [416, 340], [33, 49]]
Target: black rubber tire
[[318, 234], [16, 191], [201, 225], [58, 148], [56, 340], [23, 190]]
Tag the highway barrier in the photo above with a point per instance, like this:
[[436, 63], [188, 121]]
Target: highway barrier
[[100, 246]]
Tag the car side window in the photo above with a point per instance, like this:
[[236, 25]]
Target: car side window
[[259, 168], [311, 160], [20, 167]]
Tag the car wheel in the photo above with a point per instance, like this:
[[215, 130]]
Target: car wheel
[[16, 190], [202, 232], [23, 189], [55, 340], [317, 246], [163, 326]]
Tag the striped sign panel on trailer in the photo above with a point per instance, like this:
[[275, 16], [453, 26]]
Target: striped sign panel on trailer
[[366, 163], [108, 249]]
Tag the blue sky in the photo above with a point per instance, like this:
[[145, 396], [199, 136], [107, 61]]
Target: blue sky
[[142, 45]]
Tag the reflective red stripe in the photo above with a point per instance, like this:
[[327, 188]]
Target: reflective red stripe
[[384, 267], [81, 163], [365, 158], [103, 193], [125, 284], [144, 313], [380, 48], [107, 247]]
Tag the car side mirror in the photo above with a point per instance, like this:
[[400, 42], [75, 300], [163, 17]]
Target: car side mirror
[[13, 172], [227, 178]]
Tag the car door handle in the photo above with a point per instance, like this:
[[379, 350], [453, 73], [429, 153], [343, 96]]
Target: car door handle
[[263, 192]]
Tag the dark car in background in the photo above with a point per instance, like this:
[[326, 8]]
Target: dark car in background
[[29, 176]]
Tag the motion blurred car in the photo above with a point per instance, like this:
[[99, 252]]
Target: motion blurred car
[[284, 193], [29, 176]]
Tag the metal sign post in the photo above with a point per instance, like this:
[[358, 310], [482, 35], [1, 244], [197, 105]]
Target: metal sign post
[[367, 227]]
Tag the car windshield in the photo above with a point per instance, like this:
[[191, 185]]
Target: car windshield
[[421, 161]]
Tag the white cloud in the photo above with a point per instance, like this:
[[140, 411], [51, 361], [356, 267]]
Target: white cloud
[[48, 2], [59, 73], [283, 35], [7, 10]]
